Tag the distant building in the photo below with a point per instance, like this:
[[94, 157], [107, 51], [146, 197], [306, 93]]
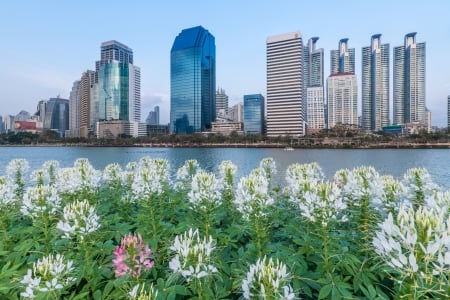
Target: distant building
[[237, 112], [153, 129], [8, 123], [409, 82], [343, 59], [221, 102], [74, 110], [22, 116], [375, 85], [448, 112], [313, 70], [119, 90], [342, 100], [192, 81], [226, 128], [85, 94], [254, 114], [153, 116], [285, 103], [57, 115], [2, 126]]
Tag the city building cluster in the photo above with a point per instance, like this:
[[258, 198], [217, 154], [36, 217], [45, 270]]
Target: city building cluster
[[106, 102]]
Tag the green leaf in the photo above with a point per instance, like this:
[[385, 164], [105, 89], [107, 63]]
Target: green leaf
[[325, 291]]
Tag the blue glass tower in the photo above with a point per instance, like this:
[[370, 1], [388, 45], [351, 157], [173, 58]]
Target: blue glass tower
[[192, 81], [253, 114]]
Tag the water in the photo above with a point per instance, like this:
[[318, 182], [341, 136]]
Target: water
[[386, 161]]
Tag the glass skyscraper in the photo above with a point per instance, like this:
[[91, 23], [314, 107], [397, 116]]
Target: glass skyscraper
[[253, 114], [57, 115], [343, 59], [314, 85], [119, 84], [192, 81], [375, 85], [285, 102], [409, 82]]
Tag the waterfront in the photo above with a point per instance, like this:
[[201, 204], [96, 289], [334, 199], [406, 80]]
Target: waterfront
[[386, 161]]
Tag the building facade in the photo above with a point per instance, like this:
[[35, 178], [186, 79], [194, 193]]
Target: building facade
[[153, 116], [342, 59], [237, 112], [342, 100], [375, 85], [118, 84], [57, 115], [285, 103], [448, 112], [313, 70], [254, 114], [192, 81], [409, 82], [221, 102], [74, 110]]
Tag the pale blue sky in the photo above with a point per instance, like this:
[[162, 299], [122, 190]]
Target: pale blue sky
[[47, 44]]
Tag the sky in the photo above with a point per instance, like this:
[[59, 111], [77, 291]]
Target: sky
[[47, 44]]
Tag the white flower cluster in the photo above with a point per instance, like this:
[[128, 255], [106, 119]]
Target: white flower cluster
[[139, 292], [185, 173], [204, 191], [40, 199], [7, 191], [17, 168], [79, 219], [151, 178], [82, 176], [113, 174], [321, 203], [300, 177], [227, 170], [416, 242], [269, 166], [252, 195], [393, 192], [49, 274], [419, 185], [192, 255], [267, 280], [47, 174]]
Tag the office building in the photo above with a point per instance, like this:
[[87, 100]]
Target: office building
[[221, 101], [119, 89], [448, 112], [409, 82], [85, 94], [254, 114], [375, 85], [2, 126], [192, 81], [74, 110], [8, 123], [57, 115], [153, 116], [313, 60], [342, 100], [285, 103], [237, 112]]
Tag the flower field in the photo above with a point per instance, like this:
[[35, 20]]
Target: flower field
[[145, 231]]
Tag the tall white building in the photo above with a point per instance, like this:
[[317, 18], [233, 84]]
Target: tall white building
[[342, 100], [343, 59], [314, 86], [375, 85], [74, 110], [409, 82], [285, 103], [237, 112], [448, 112]]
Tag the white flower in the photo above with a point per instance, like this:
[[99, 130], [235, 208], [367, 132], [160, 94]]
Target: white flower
[[252, 195], [186, 172], [227, 170], [300, 177], [192, 255], [419, 185], [7, 191], [139, 293], [80, 219], [269, 166], [204, 191], [40, 199], [49, 274], [267, 280], [17, 168], [82, 176], [113, 174], [151, 177]]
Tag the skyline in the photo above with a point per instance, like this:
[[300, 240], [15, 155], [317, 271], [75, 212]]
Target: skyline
[[50, 43]]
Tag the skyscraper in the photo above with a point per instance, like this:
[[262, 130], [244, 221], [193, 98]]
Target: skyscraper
[[57, 115], [285, 103], [342, 88], [375, 85], [85, 95], [74, 110], [409, 82], [448, 112], [153, 116], [254, 114], [221, 104], [343, 59], [192, 81], [314, 86]]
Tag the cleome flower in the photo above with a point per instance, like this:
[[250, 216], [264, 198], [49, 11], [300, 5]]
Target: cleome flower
[[40, 199], [269, 166], [267, 280], [132, 257], [49, 274], [79, 219], [186, 172], [139, 292], [300, 176], [7, 191], [227, 171], [113, 175], [82, 176], [17, 168], [419, 185], [47, 174], [252, 195], [204, 191], [192, 255], [150, 178]]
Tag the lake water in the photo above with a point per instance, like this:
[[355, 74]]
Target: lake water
[[386, 161]]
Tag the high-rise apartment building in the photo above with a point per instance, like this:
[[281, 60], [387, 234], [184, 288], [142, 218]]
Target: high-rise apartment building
[[342, 100], [342, 87], [153, 116], [221, 101], [285, 102], [74, 110], [192, 81], [237, 112], [375, 85], [85, 95], [342, 59], [409, 82], [254, 114], [313, 84], [448, 112]]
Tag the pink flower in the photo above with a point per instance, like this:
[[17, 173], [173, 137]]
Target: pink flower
[[132, 256]]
